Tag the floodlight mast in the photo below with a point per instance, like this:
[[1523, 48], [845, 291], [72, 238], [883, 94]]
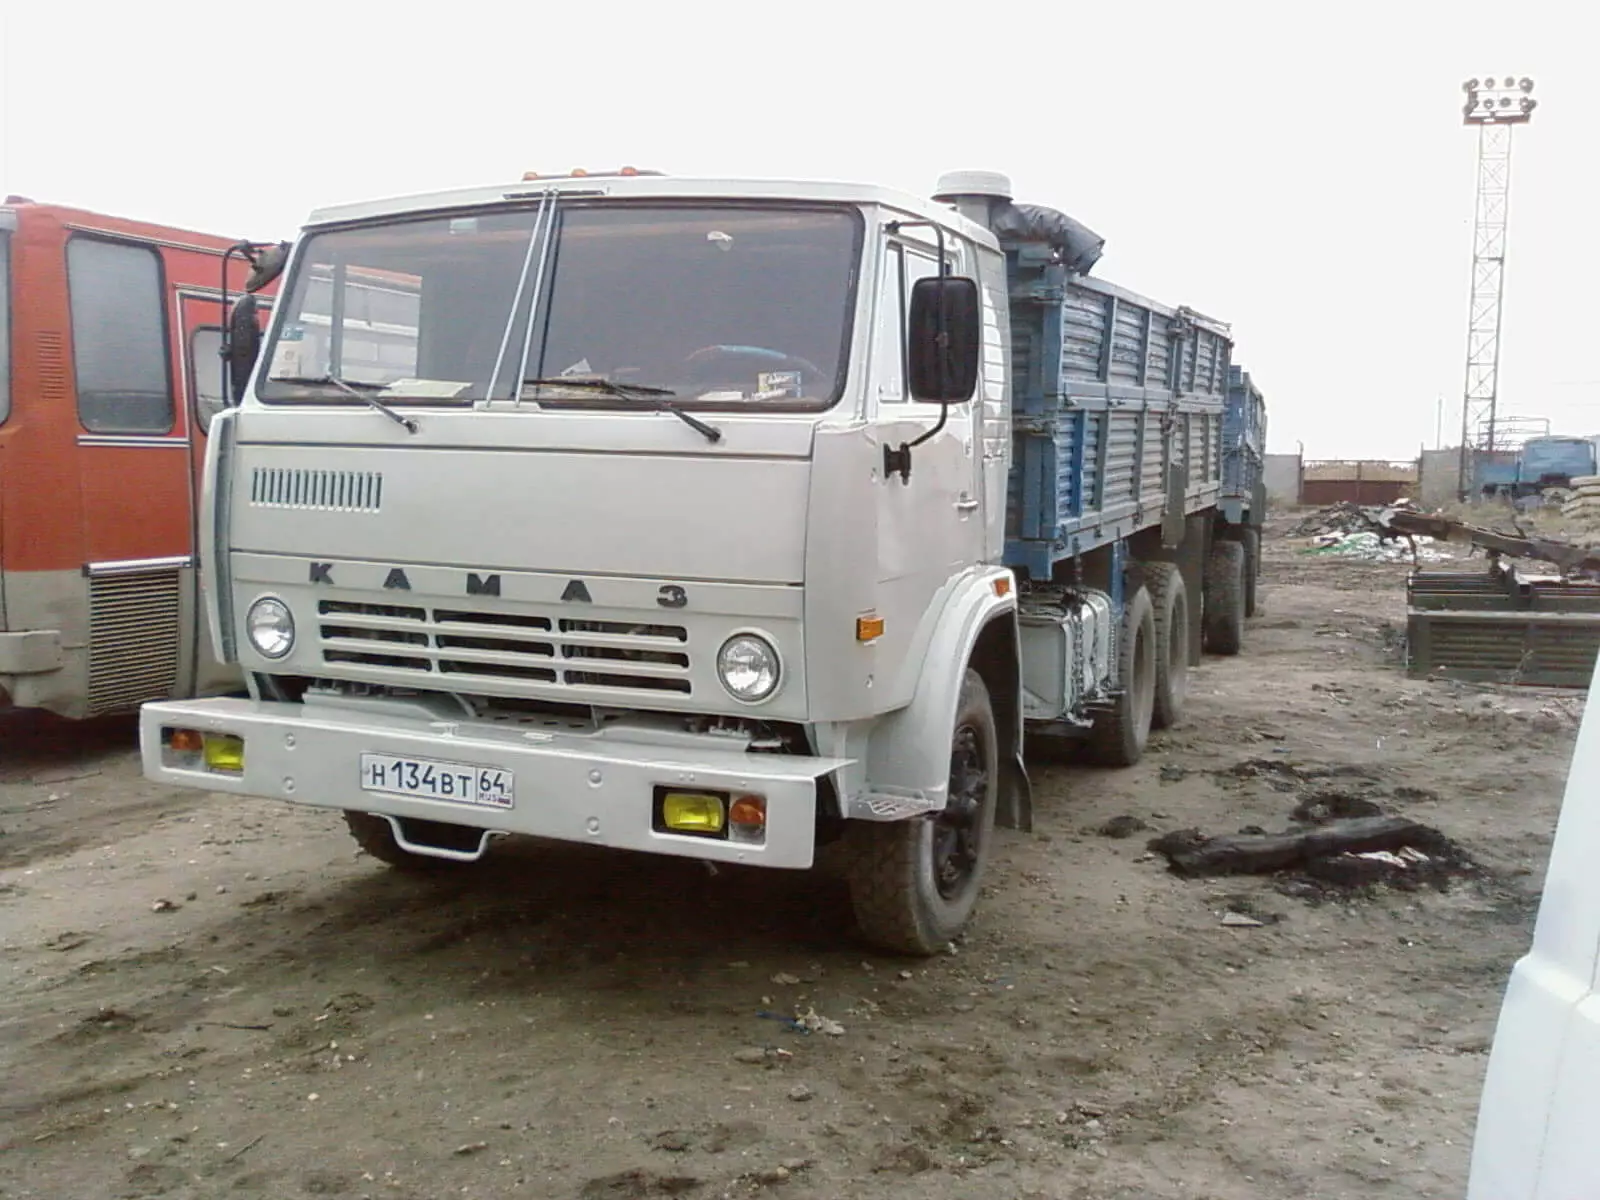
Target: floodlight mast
[[1496, 106]]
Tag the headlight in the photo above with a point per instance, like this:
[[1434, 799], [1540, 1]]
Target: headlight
[[748, 667], [270, 626]]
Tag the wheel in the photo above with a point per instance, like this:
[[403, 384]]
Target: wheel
[[1222, 606], [1119, 734], [1252, 569], [1170, 599], [374, 836], [913, 884]]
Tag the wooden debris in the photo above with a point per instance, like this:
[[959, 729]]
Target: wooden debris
[[1255, 854]]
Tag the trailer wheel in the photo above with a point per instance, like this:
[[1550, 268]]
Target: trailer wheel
[[1252, 569], [1222, 607], [374, 836], [1120, 733], [914, 883], [1170, 599]]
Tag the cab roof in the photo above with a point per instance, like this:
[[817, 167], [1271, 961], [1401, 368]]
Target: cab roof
[[657, 187]]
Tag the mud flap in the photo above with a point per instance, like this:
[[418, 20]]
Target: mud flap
[[1173, 518], [1015, 810]]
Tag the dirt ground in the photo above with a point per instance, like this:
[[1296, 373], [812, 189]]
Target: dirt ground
[[208, 997]]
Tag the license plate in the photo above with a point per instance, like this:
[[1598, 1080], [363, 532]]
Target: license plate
[[429, 779]]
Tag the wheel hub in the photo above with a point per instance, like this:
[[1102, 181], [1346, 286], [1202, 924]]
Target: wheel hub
[[957, 830]]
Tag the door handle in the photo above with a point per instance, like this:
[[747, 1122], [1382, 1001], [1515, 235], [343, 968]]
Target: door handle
[[966, 504]]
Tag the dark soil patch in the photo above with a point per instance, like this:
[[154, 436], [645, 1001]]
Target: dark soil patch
[[1123, 827], [1321, 807]]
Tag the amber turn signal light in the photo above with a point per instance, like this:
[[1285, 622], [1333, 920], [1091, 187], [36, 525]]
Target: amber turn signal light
[[869, 628]]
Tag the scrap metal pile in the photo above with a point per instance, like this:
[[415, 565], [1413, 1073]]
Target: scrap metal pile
[[1574, 561], [1532, 618], [1399, 533]]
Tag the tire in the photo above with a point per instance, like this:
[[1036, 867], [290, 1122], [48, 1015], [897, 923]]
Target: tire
[[1119, 735], [374, 836], [1252, 569], [1223, 601], [900, 902], [1170, 600]]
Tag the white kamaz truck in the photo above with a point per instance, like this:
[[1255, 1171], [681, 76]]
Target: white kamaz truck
[[711, 518]]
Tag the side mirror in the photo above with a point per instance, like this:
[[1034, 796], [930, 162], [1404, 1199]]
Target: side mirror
[[267, 264], [944, 339], [243, 345]]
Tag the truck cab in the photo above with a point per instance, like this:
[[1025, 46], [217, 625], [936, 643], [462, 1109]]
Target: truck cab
[[592, 507], [681, 516]]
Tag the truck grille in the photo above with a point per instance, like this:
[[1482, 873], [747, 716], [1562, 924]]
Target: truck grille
[[460, 647]]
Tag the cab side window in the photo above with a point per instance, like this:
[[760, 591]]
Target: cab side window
[[119, 337], [903, 266]]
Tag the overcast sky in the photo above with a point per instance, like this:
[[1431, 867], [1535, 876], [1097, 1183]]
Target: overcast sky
[[1299, 171]]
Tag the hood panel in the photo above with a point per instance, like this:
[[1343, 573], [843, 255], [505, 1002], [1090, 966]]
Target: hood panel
[[666, 516]]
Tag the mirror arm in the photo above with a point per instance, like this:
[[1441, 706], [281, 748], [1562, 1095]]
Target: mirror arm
[[897, 459]]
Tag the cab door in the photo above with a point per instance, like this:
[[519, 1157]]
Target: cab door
[[133, 459], [930, 526]]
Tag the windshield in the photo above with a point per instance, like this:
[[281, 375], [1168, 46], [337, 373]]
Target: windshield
[[716, 306]]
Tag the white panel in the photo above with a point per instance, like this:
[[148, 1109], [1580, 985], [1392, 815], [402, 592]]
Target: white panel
[[671, 517]]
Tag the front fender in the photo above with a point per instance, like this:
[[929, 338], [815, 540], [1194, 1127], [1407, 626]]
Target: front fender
[[909, 755]]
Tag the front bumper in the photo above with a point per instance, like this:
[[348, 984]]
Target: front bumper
[[579, 787]]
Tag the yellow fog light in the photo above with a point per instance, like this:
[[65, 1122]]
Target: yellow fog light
[[224, 754], [692, 812]]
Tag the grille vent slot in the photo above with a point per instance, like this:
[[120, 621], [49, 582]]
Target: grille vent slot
[[328, 491]]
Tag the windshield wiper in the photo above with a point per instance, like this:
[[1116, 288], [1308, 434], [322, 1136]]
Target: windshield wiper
[[351, 389], [654, 397]]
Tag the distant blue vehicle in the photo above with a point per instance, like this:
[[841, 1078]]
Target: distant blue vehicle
[[1494, 472], [1554, 462], [1542, 462]]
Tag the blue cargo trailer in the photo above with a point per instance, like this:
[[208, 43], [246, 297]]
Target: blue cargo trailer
[[1244, 443], [1134, 491], [1118, 412]]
